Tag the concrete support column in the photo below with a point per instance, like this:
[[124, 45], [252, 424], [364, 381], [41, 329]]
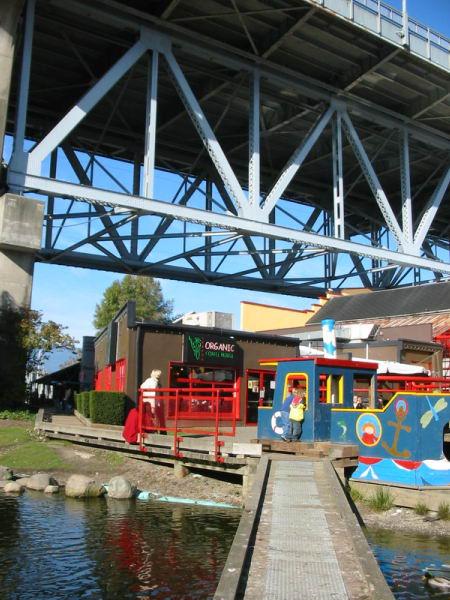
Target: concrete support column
[[20, 237], [10, 11]]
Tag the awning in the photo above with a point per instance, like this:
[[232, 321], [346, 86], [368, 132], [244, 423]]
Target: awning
[[395, 368]]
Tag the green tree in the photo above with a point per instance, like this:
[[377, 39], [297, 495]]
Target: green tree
[[26, 340], [145, 291], [39, 338]]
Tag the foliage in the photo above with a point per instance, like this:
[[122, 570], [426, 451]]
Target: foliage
[[17, 415], [78, 398], [107, 407], [26, 339], [381, 501], [12, 370], [443, 511], [85, 404], [145, 291], [356, 495], [421, 509], [40, 337]]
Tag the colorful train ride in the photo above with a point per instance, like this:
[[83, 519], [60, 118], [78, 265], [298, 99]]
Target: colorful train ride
[[401, 433]]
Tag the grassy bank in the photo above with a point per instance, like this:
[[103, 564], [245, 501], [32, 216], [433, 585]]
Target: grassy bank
[[20, 449], [24, 452]]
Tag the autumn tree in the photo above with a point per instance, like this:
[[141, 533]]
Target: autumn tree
[[27, 340], [39, 338], [145, 291]]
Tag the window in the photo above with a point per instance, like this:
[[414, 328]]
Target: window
[[297, 383], [364, 388], [331, 388], [202, 388]]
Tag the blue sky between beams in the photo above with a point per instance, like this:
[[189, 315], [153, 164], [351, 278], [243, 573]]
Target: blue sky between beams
[[68, 295]]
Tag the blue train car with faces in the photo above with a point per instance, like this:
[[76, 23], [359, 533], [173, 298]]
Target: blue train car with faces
[[401, 441]]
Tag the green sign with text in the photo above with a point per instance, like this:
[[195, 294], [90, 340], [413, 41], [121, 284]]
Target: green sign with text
[[210, 349]]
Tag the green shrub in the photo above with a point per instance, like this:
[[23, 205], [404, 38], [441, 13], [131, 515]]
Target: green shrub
[[107, 407], [381, 501], [421, 508], [17, 415], [85, 399], [443, 511], [77, 400]]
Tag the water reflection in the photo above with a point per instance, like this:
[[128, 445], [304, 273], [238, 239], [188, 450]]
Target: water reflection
[[102, 549], [402, 558]]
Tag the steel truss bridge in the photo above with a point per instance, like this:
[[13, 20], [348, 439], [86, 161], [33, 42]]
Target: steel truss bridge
[[288, 146]]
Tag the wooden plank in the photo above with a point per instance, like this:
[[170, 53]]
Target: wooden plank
[[247, 449]]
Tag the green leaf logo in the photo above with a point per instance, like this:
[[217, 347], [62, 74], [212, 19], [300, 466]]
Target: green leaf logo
[[196, 345]]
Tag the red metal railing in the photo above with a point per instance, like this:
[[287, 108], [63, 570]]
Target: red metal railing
[[171, 409]]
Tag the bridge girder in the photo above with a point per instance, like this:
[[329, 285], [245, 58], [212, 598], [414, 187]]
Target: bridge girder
[[253, 207]]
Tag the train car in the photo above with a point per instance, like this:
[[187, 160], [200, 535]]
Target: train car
[[401, 440]]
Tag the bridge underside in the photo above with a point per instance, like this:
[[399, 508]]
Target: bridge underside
[[267, 146]]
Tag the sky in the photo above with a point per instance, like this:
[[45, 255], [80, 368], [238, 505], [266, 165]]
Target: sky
[[69, 295]]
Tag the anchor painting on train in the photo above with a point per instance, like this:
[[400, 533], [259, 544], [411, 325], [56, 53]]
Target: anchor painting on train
[[400, 424]]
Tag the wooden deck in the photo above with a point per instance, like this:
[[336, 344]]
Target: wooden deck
[[239, 457], [342, 455]]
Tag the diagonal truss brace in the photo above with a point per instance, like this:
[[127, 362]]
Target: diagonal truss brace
[[84, 106], [207, 135], [431, 210], [374, 183], [296, 160]]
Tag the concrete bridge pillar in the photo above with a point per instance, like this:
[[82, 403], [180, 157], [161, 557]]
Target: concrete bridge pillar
[[20, 218], [10, 11], [20, 238]]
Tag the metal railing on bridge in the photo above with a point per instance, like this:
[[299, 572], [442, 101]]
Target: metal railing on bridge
[[389, 22], [172, 410]]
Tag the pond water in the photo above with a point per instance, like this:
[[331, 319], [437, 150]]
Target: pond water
[[404, 556], [52, 547]]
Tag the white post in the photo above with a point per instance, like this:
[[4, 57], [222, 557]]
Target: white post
[[405, 23]]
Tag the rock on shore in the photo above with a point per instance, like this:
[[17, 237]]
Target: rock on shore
[[80, 486]]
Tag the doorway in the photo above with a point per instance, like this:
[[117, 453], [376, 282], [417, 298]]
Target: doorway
[[260, 387]]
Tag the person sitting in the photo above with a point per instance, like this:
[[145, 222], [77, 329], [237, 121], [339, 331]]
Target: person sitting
[[357, 402]]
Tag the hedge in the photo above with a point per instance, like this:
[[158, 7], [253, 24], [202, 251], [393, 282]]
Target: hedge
[[78, 402], [85, 402], [107, 407]]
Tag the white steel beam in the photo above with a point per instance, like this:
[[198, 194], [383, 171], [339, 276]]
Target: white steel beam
[[431, 210], [338, 178], [82, 108], [296, 160], [373, 181], [225, 221], [150, 126], [253, 146], [405, 177], [208, 137]]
